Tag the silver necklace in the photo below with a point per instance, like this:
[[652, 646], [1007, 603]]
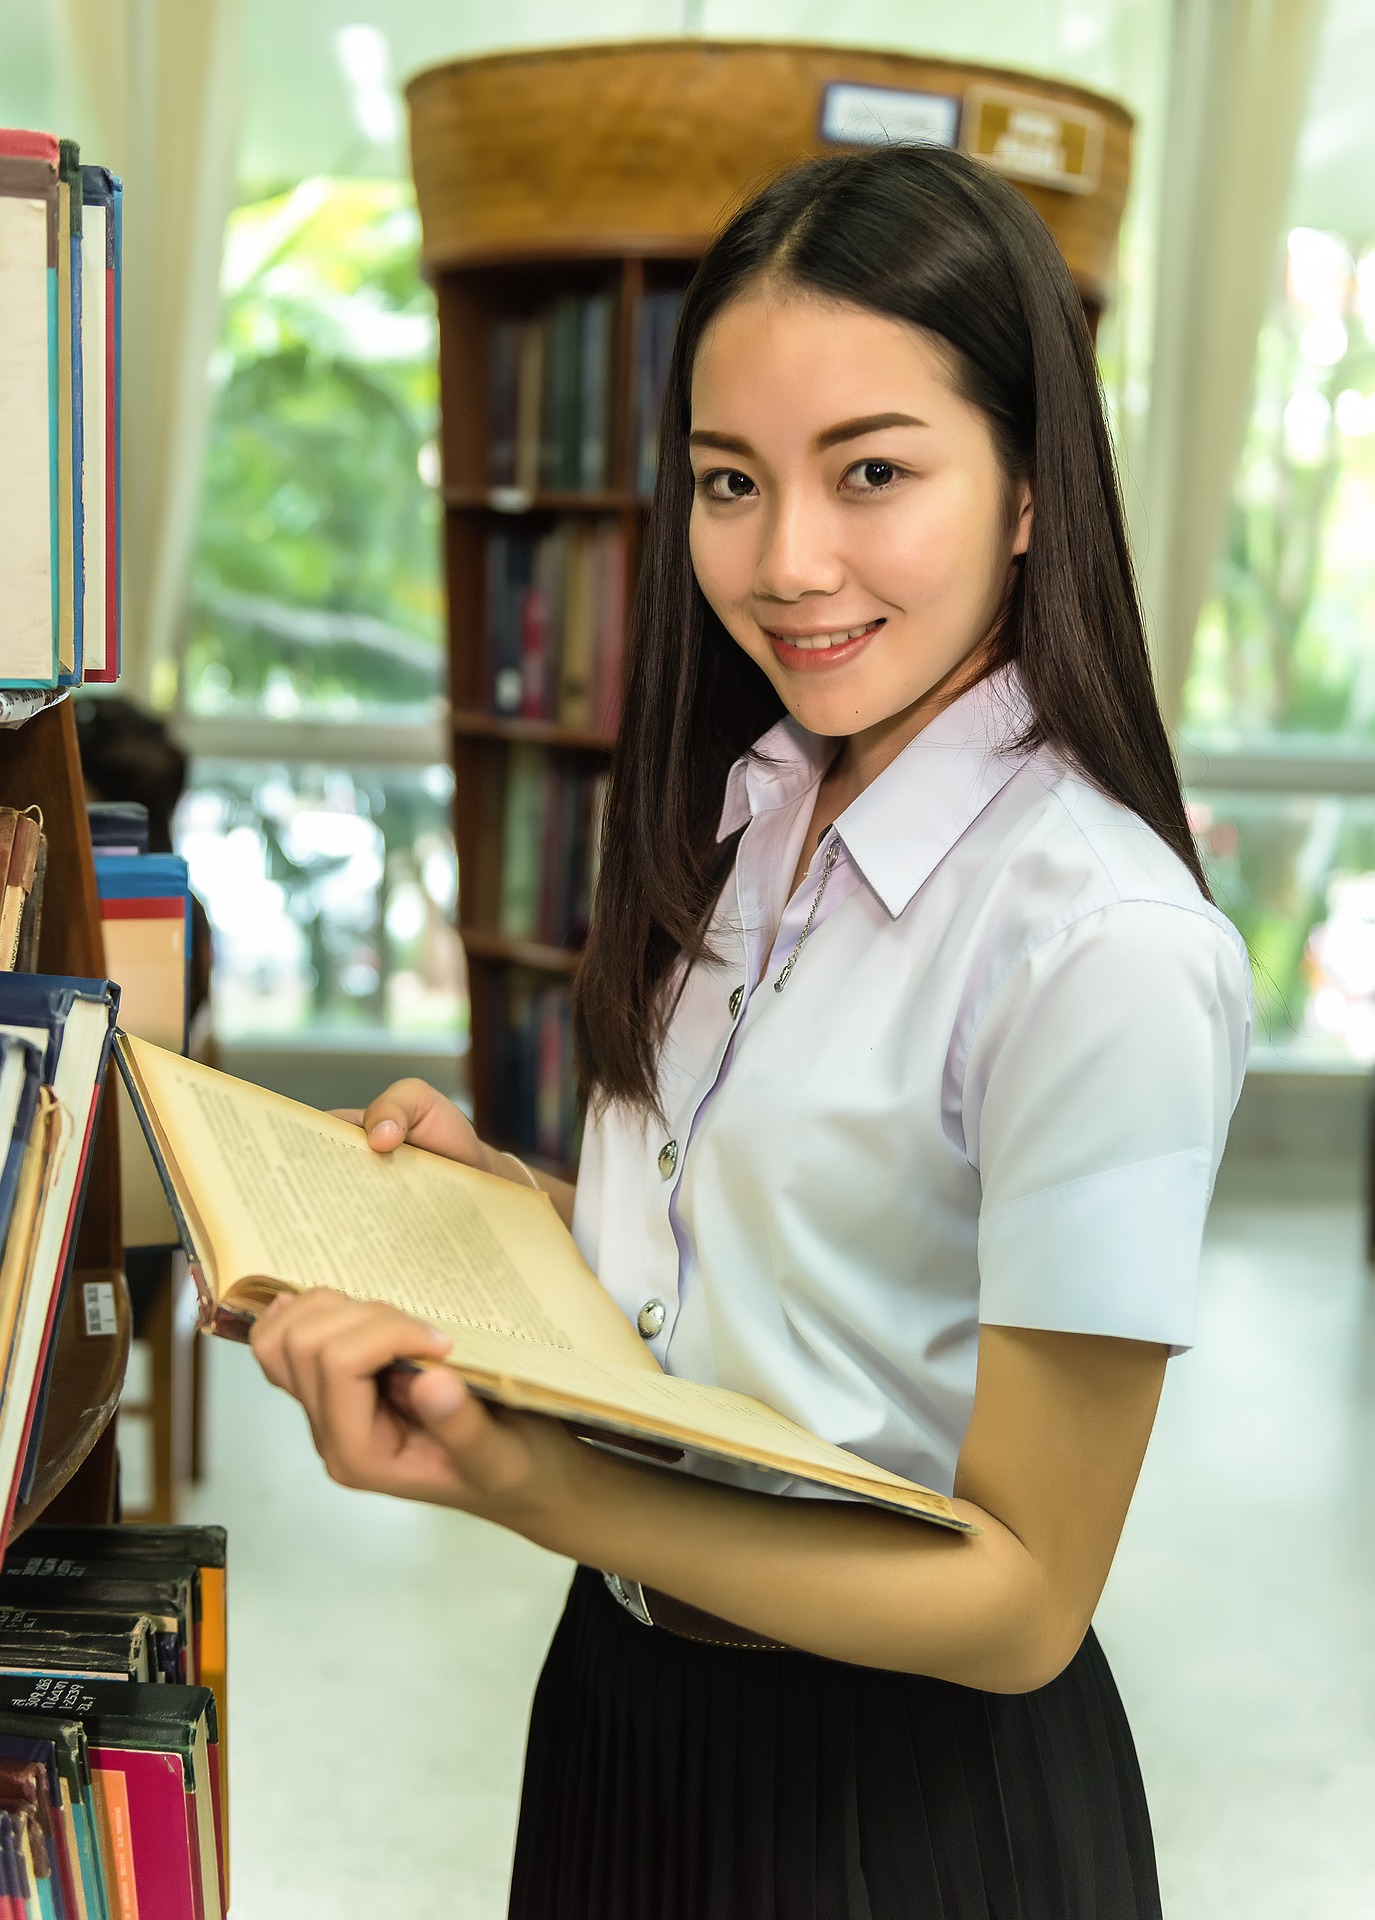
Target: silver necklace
[[832, 855]]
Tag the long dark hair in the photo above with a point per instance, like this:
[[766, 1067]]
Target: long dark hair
[[937, 240]]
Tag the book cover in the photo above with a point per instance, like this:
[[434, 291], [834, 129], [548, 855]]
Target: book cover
[[29, 247], [69, 423], [29, 1777], [594, 398], [99, 616], [167, 1594], [73, 1020], [149, 1754], [503, 402], [527, 779], [71, 1765]]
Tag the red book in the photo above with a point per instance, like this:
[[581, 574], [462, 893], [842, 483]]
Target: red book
[[24, 145]]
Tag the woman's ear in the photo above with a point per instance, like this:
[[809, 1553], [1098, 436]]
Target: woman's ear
[[1021, 533]]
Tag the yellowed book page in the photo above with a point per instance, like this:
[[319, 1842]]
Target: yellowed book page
[[148, 959], [658, 1406], [26, 648], [23, 1224], [296, 1196], [299, 1197]]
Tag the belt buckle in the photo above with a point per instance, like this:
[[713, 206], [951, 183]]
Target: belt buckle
[[631, 1596]]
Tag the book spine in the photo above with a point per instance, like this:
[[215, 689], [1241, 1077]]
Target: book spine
[[503, 403]]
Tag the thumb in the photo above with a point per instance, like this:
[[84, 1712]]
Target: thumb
[[484, 1443]]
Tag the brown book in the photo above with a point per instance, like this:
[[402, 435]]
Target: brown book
[[27, 832], [31, 919], [274, 1197]]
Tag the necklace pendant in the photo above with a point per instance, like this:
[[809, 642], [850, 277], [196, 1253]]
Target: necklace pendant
[[832, 855]]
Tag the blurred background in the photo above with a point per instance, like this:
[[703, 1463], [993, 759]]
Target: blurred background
[[286, 616]]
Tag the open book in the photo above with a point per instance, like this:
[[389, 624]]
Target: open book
[[271, 1195]]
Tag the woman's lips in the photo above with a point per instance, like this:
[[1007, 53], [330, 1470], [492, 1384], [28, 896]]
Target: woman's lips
[[819, 652]]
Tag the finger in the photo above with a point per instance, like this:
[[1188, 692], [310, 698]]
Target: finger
[[354, 1115], [396, 1114], [488, 1447], [288, 1338]]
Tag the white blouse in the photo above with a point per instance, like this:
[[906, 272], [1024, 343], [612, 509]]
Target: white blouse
[[995, 1087]]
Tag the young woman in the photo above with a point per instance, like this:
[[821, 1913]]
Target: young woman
[[911, 1038]]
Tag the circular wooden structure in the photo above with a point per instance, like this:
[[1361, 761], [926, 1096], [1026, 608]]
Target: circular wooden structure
[[602, 150]]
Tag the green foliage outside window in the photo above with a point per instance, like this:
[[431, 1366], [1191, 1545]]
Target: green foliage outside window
[[316, 586], [1284, 646]]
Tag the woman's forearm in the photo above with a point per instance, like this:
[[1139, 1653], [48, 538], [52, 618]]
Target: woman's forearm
[[843, 1581]]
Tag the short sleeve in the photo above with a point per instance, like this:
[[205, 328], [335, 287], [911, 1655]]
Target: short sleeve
[[1097, 1094]]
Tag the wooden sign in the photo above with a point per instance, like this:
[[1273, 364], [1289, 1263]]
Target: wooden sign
[[856, 116], [1032, 138]]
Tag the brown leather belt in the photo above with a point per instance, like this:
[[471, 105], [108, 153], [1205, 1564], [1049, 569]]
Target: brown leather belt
[[654, 1609]]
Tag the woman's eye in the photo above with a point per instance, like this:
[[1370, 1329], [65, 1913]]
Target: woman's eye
[[871, 476], [725, 484]]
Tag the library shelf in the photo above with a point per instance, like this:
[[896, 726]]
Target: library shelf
[[534, 954], [594, 177], [76, 1474], [535, 733], [512, 502]]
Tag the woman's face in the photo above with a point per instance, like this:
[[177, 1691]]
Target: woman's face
[[851, 522]]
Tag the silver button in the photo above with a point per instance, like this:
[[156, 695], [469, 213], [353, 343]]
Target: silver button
[[650, 1319], [736, 1001], [668, 1157]]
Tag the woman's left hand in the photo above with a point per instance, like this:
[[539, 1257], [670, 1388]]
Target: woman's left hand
[[447, 1448]]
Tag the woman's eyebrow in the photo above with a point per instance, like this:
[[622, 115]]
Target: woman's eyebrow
[[867, 423], [724, 442]]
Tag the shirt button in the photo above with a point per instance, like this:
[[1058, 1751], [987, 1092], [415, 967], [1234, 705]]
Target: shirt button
[[668, 1157], [650, 1319], [736, 1001]]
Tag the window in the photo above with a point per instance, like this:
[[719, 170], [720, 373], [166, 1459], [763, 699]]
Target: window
[[317, 821]]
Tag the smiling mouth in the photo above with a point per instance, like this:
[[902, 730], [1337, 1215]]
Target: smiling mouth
[[824, 642]]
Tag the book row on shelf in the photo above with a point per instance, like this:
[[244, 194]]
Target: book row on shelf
[[551, 832], [61, 229], [112, 1638], [536, 1106], [550, 388], [113, 1692], [555, 627]]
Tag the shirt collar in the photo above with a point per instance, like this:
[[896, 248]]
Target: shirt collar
[[901, 827]]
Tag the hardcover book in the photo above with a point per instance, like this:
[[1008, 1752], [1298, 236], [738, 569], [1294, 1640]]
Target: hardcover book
[[272, 1196]]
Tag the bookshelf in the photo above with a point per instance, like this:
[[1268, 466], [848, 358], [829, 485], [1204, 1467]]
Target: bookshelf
[[590, 179], [76, 1474]]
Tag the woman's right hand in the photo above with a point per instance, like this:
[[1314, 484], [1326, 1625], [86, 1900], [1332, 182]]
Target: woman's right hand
[[412, 1111]]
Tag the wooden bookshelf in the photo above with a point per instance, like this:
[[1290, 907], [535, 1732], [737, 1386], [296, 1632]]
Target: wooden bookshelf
[[606, 169], [76, 1477]]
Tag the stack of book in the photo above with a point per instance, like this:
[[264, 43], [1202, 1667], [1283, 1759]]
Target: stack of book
[[113, 1671], [655, 324], [60, 369], [556, 624], [145, 911], [537, 1109], [549, 398], [55, 1037], [550, 837]]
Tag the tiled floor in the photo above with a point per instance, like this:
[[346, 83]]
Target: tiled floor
[[383, 1655]]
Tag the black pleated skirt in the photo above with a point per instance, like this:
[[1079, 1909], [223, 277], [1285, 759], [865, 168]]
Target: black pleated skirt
[[668, 1780]]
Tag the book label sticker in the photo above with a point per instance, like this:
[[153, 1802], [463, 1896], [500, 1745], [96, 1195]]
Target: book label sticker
[[1031, 138], [855, 116], [100, 1307]]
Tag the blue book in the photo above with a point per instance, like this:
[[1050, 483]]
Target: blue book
[[21, 1076]]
